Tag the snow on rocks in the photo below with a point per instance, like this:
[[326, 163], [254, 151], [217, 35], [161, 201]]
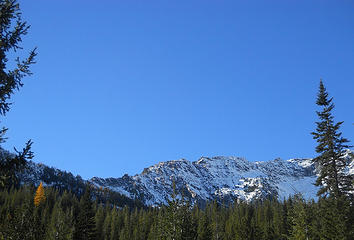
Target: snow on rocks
[[222, 178]]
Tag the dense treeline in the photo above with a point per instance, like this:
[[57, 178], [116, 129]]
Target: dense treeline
[[26, 214]]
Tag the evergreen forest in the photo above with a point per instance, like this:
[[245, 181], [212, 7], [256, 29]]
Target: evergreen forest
[[46, 213]]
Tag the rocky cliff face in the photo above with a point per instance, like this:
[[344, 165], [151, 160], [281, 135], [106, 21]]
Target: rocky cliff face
[[222, 178]]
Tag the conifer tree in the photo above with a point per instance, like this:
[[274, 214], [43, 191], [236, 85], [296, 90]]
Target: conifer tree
[[61, 224], [99, 218], [176, 221], [333, 219], [217, 223], [106, 231], [85, 227], [299, 222], [188, 225], [204, 232], [39, 196], [155, 228], [331, 147], [125, 233], [170, 221], [12, 29], [267, 220]]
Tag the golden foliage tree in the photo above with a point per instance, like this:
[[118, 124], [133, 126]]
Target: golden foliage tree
[[39, 197]]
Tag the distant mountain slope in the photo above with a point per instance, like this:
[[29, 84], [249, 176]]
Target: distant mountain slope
[[62, 180], [222, 178], [34, 173]]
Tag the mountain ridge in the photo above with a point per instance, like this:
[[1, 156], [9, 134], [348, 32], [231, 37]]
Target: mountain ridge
[[208, 178], [222, 178]]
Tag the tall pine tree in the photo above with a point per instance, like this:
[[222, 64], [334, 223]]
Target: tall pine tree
[[298, 218], [85, 226], [12, 29], [331, 149]]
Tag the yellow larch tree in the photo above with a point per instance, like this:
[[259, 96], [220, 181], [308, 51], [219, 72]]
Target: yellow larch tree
[[39, 197]]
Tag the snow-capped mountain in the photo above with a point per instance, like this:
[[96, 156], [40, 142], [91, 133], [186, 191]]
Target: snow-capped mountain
[[222, 178]]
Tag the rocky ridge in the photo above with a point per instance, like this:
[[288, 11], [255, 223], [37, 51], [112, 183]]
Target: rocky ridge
[[222, 178]]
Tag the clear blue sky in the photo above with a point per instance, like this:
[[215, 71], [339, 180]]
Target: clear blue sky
[[122, 85]]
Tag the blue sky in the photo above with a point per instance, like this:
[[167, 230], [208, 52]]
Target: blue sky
[[122, 85]]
